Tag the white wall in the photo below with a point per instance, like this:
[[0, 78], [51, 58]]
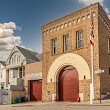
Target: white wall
[[3, 77], [15, 59]]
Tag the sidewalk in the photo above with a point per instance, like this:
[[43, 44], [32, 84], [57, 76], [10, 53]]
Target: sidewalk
[[95, 103]]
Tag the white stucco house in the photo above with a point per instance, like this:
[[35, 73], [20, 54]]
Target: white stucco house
[[12, 72], [15, 67], [2, 75]]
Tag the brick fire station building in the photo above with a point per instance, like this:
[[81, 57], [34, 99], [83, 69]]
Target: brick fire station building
[[66, 66]]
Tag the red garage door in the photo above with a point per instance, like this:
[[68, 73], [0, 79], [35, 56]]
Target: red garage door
[[35, 90], [68, 84]]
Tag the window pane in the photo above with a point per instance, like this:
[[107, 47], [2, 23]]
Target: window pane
[[66, 42], [80, 43], [67, 46], [54, 46], [15, 75], [109, 45]]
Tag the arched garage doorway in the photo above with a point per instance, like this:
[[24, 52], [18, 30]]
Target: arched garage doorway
[[62, 61], [68, 84]]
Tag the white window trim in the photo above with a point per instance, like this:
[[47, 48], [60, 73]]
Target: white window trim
[[80, 39], [67, 43], [1, 74], [2, 85], [108, 45], [54, 45]]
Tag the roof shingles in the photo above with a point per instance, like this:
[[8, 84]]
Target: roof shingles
[[3, 63], [30, 55]]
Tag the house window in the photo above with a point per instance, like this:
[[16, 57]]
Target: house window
[[17, 59], [11, 74], [108, 45], [1, 74], [12, 60], [15, 75], [66, 42], [54, 46], [80, 41], [2, 86], [109, 71]]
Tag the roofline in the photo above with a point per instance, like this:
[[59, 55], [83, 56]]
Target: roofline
[[14, 52], [10, 54], [99, 6], [68, 15], [27, 49], [1, 62]]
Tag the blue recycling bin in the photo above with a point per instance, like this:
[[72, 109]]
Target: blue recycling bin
[[18, 99]]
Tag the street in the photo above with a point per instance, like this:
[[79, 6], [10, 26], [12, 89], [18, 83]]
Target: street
[[55, 106]]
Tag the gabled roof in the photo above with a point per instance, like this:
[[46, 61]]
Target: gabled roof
[[28, 54], [3, 63]]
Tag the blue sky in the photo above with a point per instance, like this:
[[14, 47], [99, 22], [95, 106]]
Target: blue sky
[[30, 15]]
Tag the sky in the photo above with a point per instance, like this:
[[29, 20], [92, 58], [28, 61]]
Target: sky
[[21, 20]]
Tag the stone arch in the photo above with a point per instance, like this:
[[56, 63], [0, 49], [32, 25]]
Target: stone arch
[[68, 59]]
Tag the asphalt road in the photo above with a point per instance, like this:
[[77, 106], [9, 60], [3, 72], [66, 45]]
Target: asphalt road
[[54, 106]]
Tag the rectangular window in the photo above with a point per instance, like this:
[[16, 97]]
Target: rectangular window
[[2, 86], [108, 45], [15, 59], [109, 71], [15, 73], [12, 60], [54, 46], [66, 42], [1, 74], [80, 41], [19, 58]]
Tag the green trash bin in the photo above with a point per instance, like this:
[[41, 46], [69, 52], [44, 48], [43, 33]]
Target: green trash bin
[[14, 101]]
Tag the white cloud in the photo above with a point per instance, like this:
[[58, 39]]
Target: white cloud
[[89, 2], [107, 10], [109, 16], [4, 55], [7, 37]]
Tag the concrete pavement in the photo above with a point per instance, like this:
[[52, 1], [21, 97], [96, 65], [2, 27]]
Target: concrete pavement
[[105, 105]]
